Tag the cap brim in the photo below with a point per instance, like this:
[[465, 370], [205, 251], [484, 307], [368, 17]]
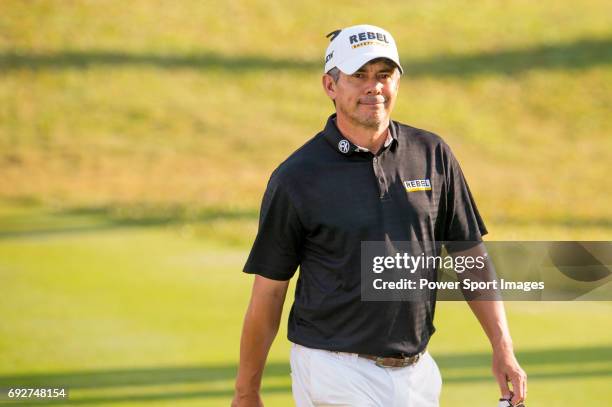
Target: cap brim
[[351, 66]]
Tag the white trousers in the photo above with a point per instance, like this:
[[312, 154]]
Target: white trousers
[[322, 378]]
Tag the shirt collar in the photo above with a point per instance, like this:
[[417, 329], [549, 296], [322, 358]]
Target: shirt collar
[[345, 146], [388, 142]]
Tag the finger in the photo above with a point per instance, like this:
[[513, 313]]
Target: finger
[[502, 381], [518, 386], [517, 390]]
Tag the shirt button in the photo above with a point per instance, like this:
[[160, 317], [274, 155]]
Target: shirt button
[[375, 159]]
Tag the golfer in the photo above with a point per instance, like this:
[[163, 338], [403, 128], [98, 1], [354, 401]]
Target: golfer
[[363, 178]]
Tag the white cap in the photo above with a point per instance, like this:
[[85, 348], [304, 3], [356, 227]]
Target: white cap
[[352, 47]]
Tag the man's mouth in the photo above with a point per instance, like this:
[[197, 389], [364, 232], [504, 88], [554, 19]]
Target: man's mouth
[[372, 101]]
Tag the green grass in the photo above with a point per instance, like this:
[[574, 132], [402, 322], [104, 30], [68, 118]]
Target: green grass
[[136, 141], [194, 104], [128, 315]]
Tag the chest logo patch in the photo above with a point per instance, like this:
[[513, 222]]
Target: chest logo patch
[[344, 146], [418, 185]]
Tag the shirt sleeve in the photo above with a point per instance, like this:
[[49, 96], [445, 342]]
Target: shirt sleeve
[[276, 251], [463, 221]]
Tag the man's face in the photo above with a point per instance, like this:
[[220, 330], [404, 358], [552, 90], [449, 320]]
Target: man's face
[[365, 98]]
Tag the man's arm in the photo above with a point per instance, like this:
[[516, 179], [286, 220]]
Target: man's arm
[[260, 327], [492, 318]]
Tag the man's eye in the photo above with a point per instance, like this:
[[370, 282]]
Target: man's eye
[[358, 75], [384, 76]]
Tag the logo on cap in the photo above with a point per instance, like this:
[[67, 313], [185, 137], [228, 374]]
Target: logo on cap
[[344, 146], [352, 47], [368, 35]]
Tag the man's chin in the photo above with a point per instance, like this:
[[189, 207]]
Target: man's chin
[[372, 121], [370, 124]]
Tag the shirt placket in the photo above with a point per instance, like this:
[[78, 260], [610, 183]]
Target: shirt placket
[[381, 179]]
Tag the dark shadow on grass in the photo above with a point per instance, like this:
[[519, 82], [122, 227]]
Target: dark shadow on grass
[[178, 395], [568, 221], [579, 54], [143, 378], [558, 356], [102, 218], [566, 359], [137, 377], [201, 61], [467, 378]]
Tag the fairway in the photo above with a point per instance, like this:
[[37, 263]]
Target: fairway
[[136, 142], [151, 315]]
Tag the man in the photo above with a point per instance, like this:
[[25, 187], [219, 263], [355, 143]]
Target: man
[[347, 185]]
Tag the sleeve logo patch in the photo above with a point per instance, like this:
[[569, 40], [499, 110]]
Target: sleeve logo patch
[[417, 185]]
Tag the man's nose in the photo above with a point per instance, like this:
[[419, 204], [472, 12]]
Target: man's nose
[[374, 86]]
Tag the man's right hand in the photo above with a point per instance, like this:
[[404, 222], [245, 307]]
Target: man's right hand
[[247, 400], [260, 326]]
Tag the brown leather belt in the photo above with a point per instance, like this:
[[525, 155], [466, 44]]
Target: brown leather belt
[[393, 361]]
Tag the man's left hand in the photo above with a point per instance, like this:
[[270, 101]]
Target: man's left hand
[[506, 370]]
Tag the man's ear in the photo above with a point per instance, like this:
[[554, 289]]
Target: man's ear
[[329, 86]]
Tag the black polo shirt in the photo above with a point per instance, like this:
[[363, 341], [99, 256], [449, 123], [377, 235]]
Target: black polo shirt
[[327, 198]]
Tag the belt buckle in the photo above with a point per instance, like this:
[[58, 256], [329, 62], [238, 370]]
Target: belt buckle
[[380, 362], [410, 360], [405, 361]]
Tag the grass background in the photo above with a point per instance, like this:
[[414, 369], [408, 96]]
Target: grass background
[[136, 140]]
